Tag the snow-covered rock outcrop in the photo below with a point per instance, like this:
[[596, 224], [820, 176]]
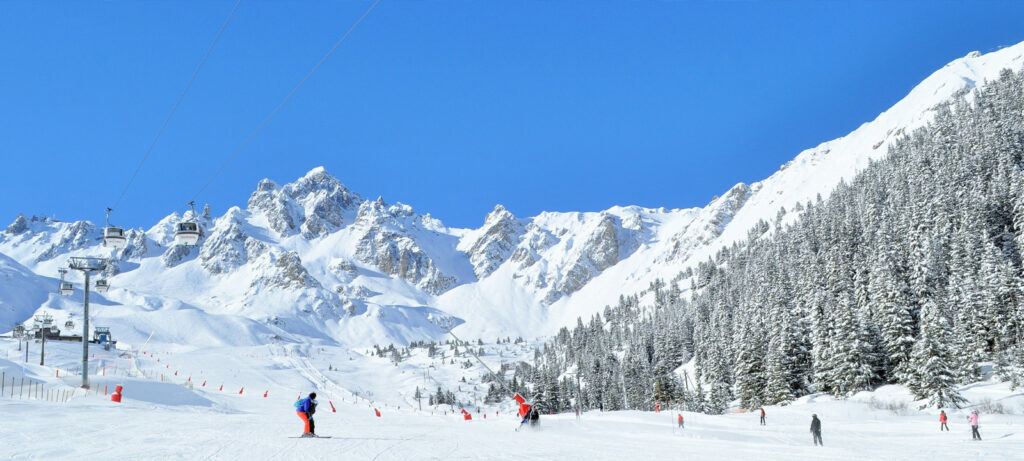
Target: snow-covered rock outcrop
[[494, 242]]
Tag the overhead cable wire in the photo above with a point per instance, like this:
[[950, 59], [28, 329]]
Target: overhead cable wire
[[284, 101], [176, 104]]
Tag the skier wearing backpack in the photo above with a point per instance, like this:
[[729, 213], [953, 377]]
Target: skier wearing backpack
[[942, 422], [304, 408]]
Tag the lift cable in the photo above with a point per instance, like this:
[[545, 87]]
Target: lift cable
[[175, 108], [284, 101]]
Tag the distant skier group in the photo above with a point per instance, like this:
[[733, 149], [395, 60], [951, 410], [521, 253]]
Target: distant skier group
[[306, 407]]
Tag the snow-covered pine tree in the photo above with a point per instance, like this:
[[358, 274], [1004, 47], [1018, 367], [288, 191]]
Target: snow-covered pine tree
[[931, 361]]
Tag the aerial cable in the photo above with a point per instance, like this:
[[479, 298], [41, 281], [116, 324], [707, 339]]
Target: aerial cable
[[175, 108], [285, 100]]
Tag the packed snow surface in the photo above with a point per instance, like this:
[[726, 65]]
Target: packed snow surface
[[163, 416]]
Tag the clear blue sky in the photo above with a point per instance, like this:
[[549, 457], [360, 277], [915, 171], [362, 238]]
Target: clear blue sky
[[451, 106]]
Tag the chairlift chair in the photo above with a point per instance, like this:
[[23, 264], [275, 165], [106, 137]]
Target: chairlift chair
[[113, 236], [102, 286]]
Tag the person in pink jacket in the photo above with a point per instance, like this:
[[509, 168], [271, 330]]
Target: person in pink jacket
[[973, 419]]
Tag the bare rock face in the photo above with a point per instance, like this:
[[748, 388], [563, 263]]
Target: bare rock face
[[228, 246], [535, 241], [603, 245], [344, 269], [398, 256], [18, 226], [175, 254], [72, 237], [710, 223], [384, 243], [574, 255], [282, 213], [286, 272], [324, 200], [497, 243], [313, 206], [136, 249]]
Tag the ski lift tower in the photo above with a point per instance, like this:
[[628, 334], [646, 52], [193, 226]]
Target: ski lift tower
[[42, 325], [87, 265], [18, 332]]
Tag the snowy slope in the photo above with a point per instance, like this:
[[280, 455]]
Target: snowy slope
[[188, 416], [21, 291]]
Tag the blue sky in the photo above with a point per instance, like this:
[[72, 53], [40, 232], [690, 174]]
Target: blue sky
[[451, 106]]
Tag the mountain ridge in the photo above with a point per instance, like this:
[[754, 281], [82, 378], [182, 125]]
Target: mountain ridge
[[313, 258]]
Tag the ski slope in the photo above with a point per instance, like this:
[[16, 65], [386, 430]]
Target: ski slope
[[163, 416]]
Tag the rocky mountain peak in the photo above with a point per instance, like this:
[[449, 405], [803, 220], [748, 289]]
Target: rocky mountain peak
[[18, 226], [497, 240]]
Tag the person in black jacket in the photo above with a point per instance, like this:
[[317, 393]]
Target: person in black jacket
[[309, 413], [816, 430]]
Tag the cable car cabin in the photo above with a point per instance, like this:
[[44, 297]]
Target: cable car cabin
[[102, 286], [187, 233], [66, 288], [114, 237], [69, 324]]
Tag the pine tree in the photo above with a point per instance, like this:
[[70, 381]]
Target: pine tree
[[934, 378]]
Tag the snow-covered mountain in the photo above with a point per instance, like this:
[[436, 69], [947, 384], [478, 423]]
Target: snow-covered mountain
[[314, 259]]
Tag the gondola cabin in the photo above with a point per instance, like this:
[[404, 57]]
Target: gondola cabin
[[113, 237], [187, 233], [66, 288], [102, 286]]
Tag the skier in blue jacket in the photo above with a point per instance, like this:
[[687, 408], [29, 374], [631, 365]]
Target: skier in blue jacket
[[305, 409]]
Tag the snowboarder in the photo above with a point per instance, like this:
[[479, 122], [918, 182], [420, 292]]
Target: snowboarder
[[762, 416], [942, 421], [303, 409], [680, 420], [816, 430], [973, 419]]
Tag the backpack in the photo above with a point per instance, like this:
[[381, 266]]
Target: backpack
[[298, 403]]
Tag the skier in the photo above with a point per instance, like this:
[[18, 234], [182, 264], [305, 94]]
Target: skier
[[534, 416], [816, 430], [303, 409], [973, 419], [309, 414], [942, 421], [680, 420], [762, 416]]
